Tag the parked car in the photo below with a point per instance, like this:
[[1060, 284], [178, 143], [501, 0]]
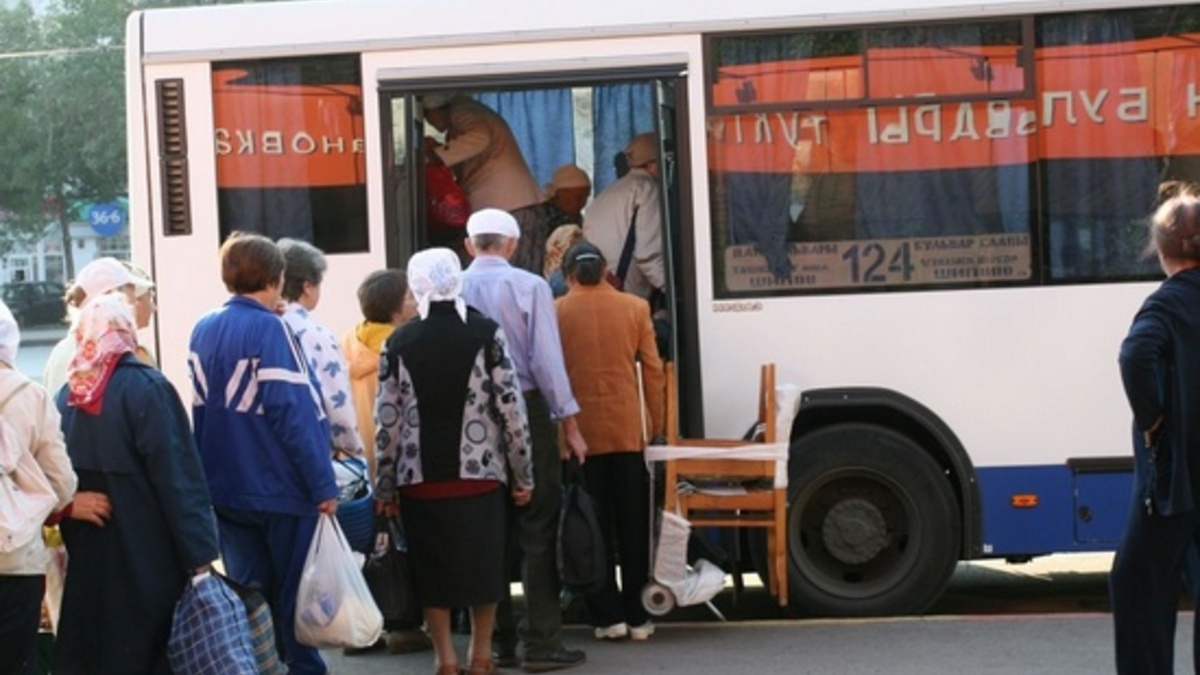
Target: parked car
[[35, 302]]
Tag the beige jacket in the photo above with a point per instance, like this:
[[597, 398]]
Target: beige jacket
[[32, 414]]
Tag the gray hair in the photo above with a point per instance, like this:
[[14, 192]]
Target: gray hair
[[1175, 224], [488, 242], [305, 264]]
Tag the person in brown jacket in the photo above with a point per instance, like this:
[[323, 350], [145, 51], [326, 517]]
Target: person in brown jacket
[[605, 333]]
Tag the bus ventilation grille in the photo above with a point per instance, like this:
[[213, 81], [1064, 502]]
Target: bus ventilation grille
[[172, 144]]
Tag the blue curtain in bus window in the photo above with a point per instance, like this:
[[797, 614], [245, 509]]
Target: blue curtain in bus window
[[760, 206], [1101, 173], [619, 112], [542, 122]]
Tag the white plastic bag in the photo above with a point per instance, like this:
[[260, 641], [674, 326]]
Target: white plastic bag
[[334, 607], [26, 497], [690, 585]]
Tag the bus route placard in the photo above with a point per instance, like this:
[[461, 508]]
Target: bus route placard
[[884, 262]]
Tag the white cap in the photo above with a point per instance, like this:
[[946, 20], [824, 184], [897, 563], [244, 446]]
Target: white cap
[[103, 275], [493, 221], [642, 150]]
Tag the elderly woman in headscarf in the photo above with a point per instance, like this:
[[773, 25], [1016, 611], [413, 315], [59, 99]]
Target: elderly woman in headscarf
[[99, 277], [28, 424], [128, 437], [451, 432]]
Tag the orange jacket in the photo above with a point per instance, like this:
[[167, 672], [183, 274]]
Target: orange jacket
[[603, 331], [361, 346]]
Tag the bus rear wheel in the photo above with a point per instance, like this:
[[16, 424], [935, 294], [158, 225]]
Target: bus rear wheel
[[873, 524]]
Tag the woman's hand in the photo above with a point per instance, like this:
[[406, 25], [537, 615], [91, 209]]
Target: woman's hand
[[521, 496], [328, 507], [92, 507]]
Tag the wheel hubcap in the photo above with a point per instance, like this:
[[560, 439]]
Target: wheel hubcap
[[855, 531]]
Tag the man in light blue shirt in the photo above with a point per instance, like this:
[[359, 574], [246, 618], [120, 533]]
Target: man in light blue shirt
[[523, 305]]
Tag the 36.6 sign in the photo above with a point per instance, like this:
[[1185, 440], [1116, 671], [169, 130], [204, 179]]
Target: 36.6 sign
[[106, 219]]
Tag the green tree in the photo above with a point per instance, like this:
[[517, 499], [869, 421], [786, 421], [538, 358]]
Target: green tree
[[63, 84]]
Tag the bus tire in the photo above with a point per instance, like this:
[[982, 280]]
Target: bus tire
[[873, 524]]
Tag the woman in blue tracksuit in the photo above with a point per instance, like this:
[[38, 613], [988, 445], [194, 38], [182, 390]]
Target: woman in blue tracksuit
[[1160, 368], [262, 437]]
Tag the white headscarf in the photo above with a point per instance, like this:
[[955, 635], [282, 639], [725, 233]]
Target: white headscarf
[[10, 336], [435, 275]]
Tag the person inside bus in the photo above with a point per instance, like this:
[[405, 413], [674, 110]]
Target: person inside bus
[[303, 273], [266, 451], [1160, 371], [561, 240], [100, 276], [566, 194], [481, 148], [605, 335], [625, 221], [521, 302], [385, 302], [451, 433]]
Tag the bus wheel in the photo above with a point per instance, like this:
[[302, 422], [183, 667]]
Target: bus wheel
[[873, 524]]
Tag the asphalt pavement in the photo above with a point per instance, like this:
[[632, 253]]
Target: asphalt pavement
[[1027, 644], [1046, 616]]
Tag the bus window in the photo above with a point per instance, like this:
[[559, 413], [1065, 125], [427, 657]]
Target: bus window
[[289, 137]]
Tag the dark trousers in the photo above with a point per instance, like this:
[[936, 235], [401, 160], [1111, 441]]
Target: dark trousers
[[20, 614], [534, 529], [1144, 586], [267, 551], [620, 486]]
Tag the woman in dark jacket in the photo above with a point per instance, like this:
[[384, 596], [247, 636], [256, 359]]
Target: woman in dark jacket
[[451, 432], [128, 437], [1160, 368]]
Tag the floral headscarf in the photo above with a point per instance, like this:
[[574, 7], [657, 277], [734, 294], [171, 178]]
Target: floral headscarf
[[10, 336], [435, 275], [562, 238], [104, 332]]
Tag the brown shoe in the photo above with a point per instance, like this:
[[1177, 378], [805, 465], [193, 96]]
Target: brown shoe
[[485, 667]]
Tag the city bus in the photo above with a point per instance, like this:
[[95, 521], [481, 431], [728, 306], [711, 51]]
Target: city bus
[[929, 216]]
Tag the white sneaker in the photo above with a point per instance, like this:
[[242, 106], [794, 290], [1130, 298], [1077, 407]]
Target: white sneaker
[[642, 632], [617, 631]]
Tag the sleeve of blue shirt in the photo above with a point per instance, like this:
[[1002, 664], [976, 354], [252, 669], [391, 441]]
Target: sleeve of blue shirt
[[291, 409], [546, 364]]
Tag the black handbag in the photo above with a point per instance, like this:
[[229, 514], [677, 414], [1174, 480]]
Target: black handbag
[[388, 572], [582, 555]]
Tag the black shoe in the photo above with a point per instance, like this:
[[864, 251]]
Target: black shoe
[[355, 651], [555, 660], [505, 656]]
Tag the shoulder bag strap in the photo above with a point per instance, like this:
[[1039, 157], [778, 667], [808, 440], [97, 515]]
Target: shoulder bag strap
[[12, 394], [627, 249]]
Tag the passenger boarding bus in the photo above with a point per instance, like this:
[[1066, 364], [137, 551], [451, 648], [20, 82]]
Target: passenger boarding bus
[[930, 216]]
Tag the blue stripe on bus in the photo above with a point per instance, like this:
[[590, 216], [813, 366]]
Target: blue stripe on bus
[[1074, 512]]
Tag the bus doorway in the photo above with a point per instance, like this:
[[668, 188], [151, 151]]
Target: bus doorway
[[581, 119]]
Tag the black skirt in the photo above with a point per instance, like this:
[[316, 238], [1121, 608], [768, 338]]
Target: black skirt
[[456, 546]]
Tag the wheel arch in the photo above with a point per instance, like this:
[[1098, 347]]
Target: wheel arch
[[821, 408]]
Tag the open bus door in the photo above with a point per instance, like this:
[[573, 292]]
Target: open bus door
[[649, 99]]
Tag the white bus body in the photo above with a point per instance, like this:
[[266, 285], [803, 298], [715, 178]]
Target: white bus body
[[1000, 373]]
